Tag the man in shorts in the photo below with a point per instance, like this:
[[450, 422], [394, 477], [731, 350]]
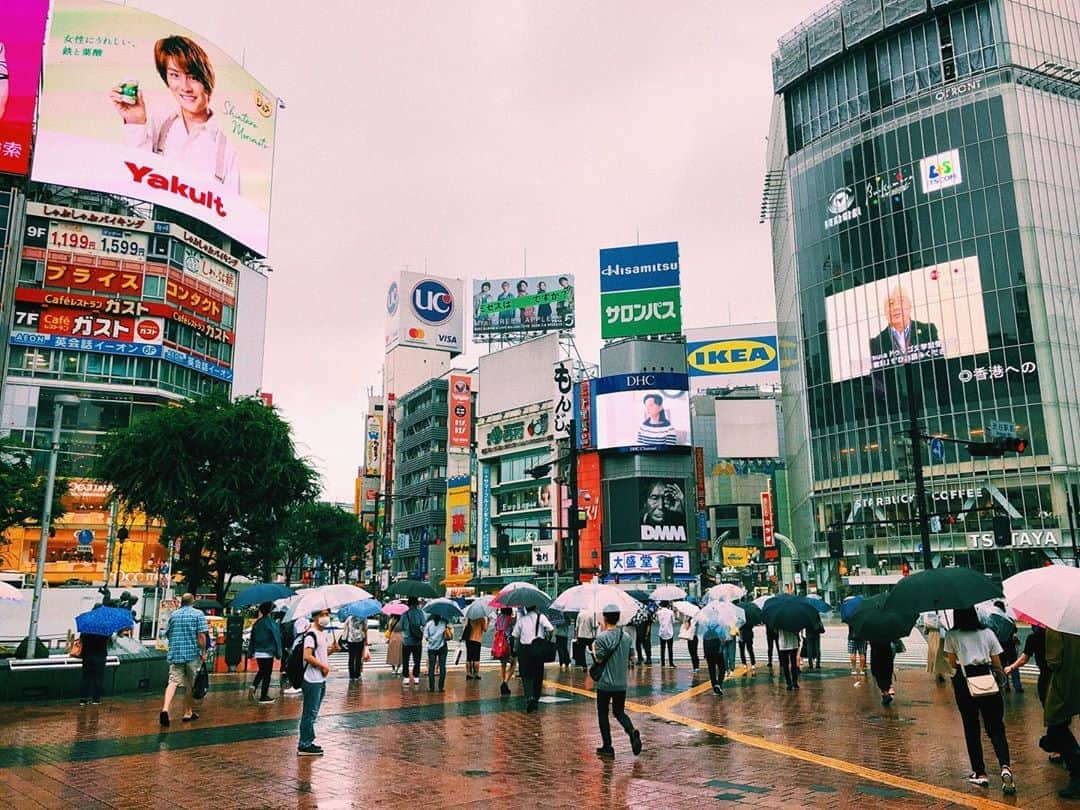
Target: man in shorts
[[186, 631], [856, 648]]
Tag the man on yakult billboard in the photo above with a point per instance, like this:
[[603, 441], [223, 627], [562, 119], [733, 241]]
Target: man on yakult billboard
[[162, 115]]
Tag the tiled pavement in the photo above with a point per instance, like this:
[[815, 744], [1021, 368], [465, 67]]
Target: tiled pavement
[[831, 744]]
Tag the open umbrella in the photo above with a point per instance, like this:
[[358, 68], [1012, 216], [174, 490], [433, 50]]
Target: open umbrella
[[1049, 595], [207, 604], [262, 592], [849, 606], [510, 587], [412, 588], [872, 621], [594, 597], [725, 612], [686, 609], [726, 592], [326, 597], [362, 609], [395, 608], [555, 616], [10, 593], [524, 597], [713, 623], [792, 613], [668, 593], [819, 603], [940, 589], [761, 600], [640, 595], [104, 621], [445, 608], [480, 608], [752, 612]]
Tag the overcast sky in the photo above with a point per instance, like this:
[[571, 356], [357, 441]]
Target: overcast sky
[[464, 137]]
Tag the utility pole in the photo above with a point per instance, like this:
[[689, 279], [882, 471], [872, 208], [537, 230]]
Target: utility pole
[[915, 432], [572, 524]]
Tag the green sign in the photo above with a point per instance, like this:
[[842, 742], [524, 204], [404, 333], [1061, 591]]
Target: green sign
[[634, 313]]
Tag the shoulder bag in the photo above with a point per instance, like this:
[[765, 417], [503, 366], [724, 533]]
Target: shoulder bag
[[202, 683], [542, 647], [596, 671], [980, 679], [686, 631]]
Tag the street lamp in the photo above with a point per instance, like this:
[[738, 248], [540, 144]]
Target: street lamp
[[122, 536], [46, 517]]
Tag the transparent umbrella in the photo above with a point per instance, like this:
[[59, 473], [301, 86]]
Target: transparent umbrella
[[327, 597], [726, 592], [593, 598], [668, 593]]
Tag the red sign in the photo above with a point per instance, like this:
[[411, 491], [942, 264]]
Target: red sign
[[772, 554], [585, 415], [102, 279], [699, 470], [590, 553], [82, 323], [460, 411], [767, 521], [186, 296]]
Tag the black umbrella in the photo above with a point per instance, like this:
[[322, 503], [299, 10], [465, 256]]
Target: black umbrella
[[525, 597], [262, 592], [641, 596], [412, 588], [208, 604], [941, 589], [753, 614], [792, 613], [872, 622]]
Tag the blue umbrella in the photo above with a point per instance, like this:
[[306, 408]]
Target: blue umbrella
[[104, 621], [849, 606], [263, 592], [362, 609], [819, 604]]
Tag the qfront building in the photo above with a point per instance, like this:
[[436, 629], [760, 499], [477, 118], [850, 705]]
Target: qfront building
[[922, 191]]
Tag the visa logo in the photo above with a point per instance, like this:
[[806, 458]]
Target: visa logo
[[450, 340], [736, 356]]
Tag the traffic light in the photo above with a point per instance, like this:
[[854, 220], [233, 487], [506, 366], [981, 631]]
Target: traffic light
[[836, 545], [997, 448], [502, 545], [1002, 530], [902, 458]]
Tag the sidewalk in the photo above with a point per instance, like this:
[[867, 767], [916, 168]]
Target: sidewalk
[[831, 744]]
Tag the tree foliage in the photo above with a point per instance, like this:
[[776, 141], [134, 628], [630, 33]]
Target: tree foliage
[[221, 475], [325, 532], [22, 488]]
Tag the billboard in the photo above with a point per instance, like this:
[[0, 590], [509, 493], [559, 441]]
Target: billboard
[[22, 30], [372, 444], [647, 562], [590, 501], [426, 312], [639, 267], [642, 412], [518, 376], [460, 419], [747, 428], [458, 544], [161, 115], [639, 291], [933, 312], [73, 322], [647, 510], [727, 356], [506, 306]]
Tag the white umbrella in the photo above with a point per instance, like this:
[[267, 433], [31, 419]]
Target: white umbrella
[[10, 593], [327, 597], [722, 613], [593, 598], [1048, 595], [480, 608], [726, 592], [668, 593], [686, 608]]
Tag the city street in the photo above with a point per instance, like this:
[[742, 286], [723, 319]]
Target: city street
[[831, 744]]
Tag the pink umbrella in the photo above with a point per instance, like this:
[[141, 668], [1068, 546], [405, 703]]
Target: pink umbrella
[[396, 608]]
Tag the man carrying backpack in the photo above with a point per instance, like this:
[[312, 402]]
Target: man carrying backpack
[[316, 648], [412, 634]]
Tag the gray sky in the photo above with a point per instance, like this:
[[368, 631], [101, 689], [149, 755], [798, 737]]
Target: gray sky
[[458, 137]]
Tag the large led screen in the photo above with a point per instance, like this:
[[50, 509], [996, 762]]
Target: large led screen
[[642, 412], [22, 30], [134, 104], [935, 312], [647, 510]]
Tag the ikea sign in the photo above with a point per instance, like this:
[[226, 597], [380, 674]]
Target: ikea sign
[[732, 356]]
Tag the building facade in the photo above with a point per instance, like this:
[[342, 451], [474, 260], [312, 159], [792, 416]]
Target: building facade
[[923, 168]]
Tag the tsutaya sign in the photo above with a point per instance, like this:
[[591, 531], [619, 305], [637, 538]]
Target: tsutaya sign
[[1027, 538]]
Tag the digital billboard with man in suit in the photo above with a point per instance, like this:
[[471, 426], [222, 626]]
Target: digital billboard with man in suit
[[903, 337]]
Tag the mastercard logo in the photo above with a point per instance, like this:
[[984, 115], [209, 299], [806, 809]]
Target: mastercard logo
[[417, 334]]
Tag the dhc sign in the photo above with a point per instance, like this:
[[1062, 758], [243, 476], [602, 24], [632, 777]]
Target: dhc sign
[[733, 356]]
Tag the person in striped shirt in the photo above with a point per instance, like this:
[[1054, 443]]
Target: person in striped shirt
[[656, 430]]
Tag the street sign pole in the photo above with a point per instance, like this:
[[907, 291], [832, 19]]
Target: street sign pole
[[916, 466]]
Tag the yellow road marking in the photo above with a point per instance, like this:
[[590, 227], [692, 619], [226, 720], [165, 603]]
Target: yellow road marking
[[662, 711]]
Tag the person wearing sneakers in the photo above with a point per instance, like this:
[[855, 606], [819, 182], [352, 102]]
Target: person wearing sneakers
[[973, 650], [856, 648], [665, 620], [317, 651], [612, 648], [412, 635], [264, 646], [186, 631]]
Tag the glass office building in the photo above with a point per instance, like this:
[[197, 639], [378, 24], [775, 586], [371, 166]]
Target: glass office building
[[923, 194]]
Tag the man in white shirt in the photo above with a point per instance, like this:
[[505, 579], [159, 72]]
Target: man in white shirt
[[788, 644], [531, 666], [584, 634], [665, 622], [317, 650]]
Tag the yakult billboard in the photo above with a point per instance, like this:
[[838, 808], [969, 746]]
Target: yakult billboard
[[22, 30], [136, 105]]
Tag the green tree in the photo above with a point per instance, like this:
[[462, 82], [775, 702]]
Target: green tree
[[22, 488], [220, 474], [323, 531]]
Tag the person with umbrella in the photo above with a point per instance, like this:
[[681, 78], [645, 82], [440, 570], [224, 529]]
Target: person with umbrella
[[186, 631], [317, 648], [584, 635], [412, 634], [354, 634], [612, 650], [502, 647], [436, 633], [95, 628], [973, 651], [1063, 704], [530, 627], [746, 638], [476, 624], [665, 620], [264, 646], [687, 632]]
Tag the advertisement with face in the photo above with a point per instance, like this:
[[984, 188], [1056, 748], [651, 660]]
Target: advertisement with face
[[22, 30], [642, 412], [136, 105], [505, 306], [934, 312], [646, 510]]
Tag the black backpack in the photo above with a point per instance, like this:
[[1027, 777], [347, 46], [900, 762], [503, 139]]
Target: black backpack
[[296, 665]]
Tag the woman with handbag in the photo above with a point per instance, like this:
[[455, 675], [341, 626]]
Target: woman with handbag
[[975, 652], [354, 636], [502, 648], [533, 627], [394, 644], [612, 650]]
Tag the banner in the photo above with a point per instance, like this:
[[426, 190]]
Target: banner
[[460, 420], [22, 30], [639, 267], [638, 313], [506, 306], [767, 520], [458, 545], [738, 556], [646, 562], [372, 441], [484, 509], [563, 401], [80, 323], [136, 105]]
